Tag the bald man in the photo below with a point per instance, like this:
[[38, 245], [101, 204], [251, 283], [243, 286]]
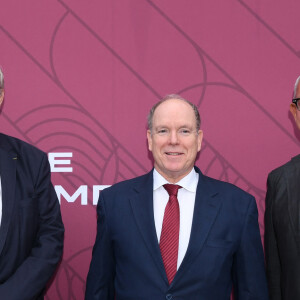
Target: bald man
[[175, 233]]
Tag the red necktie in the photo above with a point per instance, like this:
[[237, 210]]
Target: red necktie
[[169, 237]]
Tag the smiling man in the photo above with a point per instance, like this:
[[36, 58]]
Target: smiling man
[[175, 233]]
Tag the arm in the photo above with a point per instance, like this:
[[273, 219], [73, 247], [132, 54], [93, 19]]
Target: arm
[[30, 278], [271, 250], [100, 280], [249, 276]]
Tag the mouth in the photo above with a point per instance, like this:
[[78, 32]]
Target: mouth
[[173, 153]]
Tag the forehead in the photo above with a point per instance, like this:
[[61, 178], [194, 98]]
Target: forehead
[[174, 111]]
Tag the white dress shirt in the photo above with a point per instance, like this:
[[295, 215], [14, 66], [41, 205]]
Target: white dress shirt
[[186, 198]]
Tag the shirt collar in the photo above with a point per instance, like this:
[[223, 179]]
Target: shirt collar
[[189, 182]]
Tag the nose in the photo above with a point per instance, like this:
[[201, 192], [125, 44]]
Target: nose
[[173, 137]]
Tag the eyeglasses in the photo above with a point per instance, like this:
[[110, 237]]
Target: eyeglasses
[[295, 101]]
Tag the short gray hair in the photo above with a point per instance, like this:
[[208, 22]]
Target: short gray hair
[[296, 85], [1, 81], [169, 97]]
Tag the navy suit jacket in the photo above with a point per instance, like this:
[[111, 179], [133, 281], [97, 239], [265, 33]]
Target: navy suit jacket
[[31, 230], [224, 249]]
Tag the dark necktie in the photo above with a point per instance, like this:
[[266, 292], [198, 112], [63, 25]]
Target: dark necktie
[[169, 238]]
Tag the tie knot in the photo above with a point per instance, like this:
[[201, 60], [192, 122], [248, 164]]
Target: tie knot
[[172, 189]]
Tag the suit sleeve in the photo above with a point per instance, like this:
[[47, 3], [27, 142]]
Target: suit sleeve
[[100, 279], [249, 276], [30, 278], [271, 249]]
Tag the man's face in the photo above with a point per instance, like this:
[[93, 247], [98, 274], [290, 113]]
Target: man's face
[[174, 141], [293, 109]]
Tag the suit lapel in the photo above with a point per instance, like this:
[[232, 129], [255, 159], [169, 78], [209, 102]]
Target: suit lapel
[[206, 209], [142, 207], [293, 190], [8, 180]]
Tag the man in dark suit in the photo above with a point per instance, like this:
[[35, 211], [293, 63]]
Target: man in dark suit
[[175, 233], [282, 223], [31, 229]]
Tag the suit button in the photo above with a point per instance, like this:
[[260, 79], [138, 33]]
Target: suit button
[[169, 297]]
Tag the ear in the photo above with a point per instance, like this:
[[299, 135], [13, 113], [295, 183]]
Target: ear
[[200, 138], [1, 96], [293, 110], [149, 138]]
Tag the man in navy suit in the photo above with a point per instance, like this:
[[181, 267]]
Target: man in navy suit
[[217, 246], [31, 229]]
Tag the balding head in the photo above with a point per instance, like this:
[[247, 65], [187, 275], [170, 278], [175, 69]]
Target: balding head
[[169, 97]]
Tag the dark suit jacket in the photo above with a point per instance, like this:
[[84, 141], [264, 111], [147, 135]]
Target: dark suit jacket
[[282, 231], [31, 230], [224, 250]]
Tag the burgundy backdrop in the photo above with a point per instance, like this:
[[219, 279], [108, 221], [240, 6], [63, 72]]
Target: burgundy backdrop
[[81, 77]]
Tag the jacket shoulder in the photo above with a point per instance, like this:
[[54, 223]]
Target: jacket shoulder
[[13, 144], [234, 200], [278, 172], [225, 187], [29, 156]]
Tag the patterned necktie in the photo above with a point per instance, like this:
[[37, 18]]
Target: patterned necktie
[[169, 237]]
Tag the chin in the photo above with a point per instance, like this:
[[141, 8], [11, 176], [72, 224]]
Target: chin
[[174, 167], [175, 172]]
